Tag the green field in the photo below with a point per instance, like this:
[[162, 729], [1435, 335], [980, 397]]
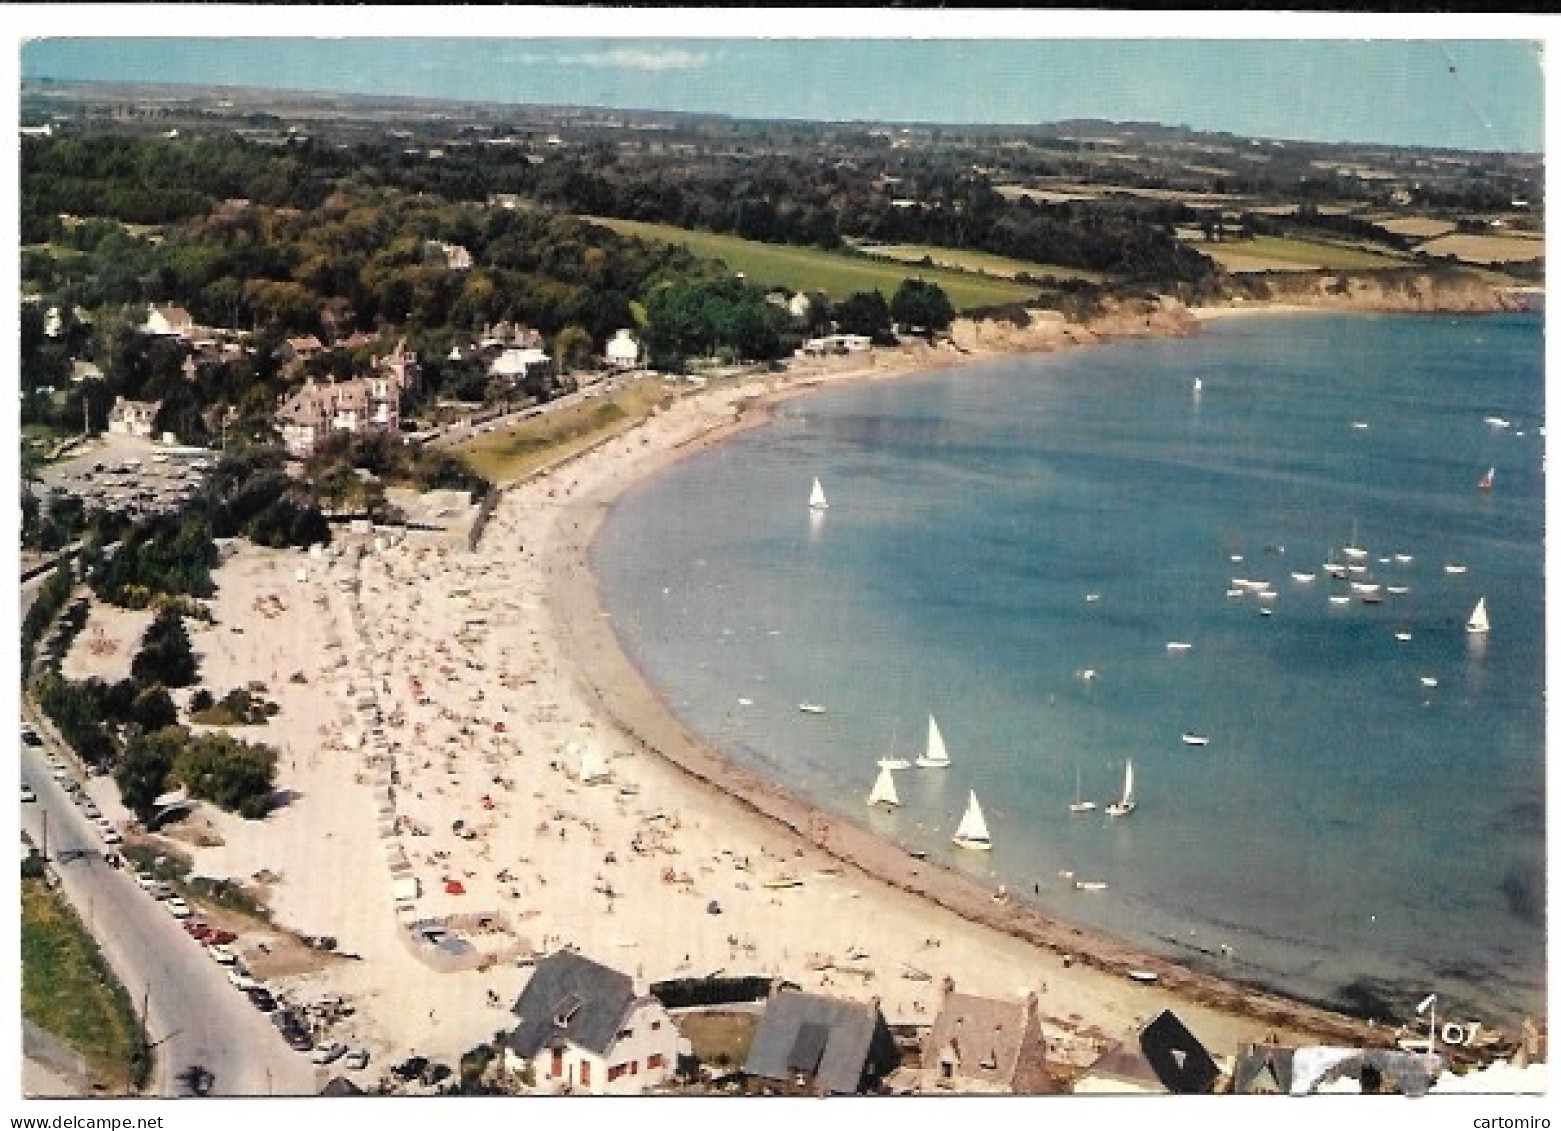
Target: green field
[[808, 269], [504, 457], [1283, 253], [68, 990], [978, 262]]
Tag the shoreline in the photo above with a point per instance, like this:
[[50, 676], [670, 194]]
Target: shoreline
[[617, 687]]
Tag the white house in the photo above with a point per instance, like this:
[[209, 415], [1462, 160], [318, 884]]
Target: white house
[[518, 364], [582, 1028], [132, 418], [168, 321], [623, 351]]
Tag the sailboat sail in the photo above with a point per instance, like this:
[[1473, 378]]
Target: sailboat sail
[[1127, 804], [883, 789], [1079, 804], [972, 831], [1488, 480], [936, 756], [1479, 620], [817, 500]]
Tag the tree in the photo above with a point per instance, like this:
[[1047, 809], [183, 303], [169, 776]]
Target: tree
[[573, 349], [864, 312], [920, 305], [143, 770], [166, 656]]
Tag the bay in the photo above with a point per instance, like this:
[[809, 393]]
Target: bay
[[1349, 834]]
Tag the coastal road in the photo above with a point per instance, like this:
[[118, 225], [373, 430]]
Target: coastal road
[[194, 1016]]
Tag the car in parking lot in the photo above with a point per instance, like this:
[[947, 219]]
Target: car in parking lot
[[27, 793], [411, 1068], [89, 807], [178, 908], [241, 979], [263, 1000], [60, 774], [356, 1059], [30, 737], [219, 937], [111, 834], [328, 1054], [222, 955]]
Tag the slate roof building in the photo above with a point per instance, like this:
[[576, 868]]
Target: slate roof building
[[1165, 1058], [981, 1044], [816, 1045], [582, 1027]]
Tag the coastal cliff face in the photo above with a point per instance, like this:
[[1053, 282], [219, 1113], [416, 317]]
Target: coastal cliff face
[[1421, 292], [1048, 330]]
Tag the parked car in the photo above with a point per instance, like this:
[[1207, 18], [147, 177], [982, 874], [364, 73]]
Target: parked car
[[411, 1068], [30, 737], [435, 1073], [28, 794], [220, 937], [178, 908], [327, 1054], [243, 981], [222, 955], [263, 1000], [356, 1059], [90, 808], [197, 929], [111, 836]]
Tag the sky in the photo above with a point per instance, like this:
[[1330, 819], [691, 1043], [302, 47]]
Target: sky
[[1462, 84]]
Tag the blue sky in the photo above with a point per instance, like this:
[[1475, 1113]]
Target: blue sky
[[1465, 93]]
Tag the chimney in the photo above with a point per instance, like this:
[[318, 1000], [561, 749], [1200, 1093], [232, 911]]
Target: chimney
[[948, 985]]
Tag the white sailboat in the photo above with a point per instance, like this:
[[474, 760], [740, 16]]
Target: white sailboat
[[937, 756], [1127, 804], [817, 500], [1479, 620], [883, 789], [894, 761], [1079, 804], [972, 832]]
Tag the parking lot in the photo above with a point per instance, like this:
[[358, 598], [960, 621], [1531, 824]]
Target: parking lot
[[129, 475]]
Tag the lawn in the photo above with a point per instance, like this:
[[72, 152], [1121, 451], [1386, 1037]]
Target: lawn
[[68, 990], [809, 269], [721, 1039], [516, 452], [1284, 253], [978, 262]]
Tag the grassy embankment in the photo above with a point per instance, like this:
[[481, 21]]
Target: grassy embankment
[[518, 451], [69, 990], [1281, 253], [836, 274], [975, 262]]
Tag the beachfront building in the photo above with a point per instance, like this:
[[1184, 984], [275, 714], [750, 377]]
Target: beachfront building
[[836, 344], [517, 365], [982, 1044], [370, 403], [811, 1044], [623, 351], [363, 404], [1165, 1058], [583, 1028], [132, 418]]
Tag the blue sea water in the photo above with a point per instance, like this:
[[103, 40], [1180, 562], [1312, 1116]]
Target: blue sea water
[[1352, 835]]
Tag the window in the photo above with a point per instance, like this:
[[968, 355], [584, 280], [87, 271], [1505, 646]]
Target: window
[[634, 1068], [585, 1073], [614, 1072], [653, 1063], [655, 1026], [625, 1034], [558, 1064]]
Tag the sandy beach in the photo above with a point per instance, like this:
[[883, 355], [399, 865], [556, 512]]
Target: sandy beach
[[462, 725]]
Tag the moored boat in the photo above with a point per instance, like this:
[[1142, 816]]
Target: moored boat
[[972, 832]]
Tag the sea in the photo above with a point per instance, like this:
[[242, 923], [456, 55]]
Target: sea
[[1011, 546]]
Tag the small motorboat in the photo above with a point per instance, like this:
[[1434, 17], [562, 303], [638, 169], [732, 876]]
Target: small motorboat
[[1177, 646], [1428, 680], [811, 708], [1144, 976], [1192, 738], [1090, 885]]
